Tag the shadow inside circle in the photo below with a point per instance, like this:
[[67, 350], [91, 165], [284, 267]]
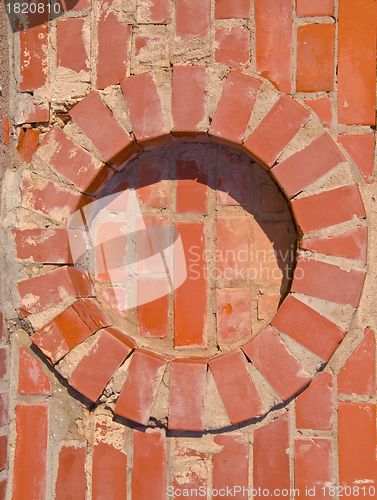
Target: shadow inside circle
[[25, 15]]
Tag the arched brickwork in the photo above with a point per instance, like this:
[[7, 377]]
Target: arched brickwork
[[270, 127]]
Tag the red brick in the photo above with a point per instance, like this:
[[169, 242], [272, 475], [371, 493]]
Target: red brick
[[233, 315], [356, 67], [140, 387], [3, 362], [235, 386], [149, 461], [235, 107], [142, 98], [69, 329], [4, 406], [314, 405], [361, 150], [308, 327], [189, 100], [308, 8], [187, 394], [280, 368], [229, 190], [71, 50], [153, 316], [31, 377], [315, 57], [328, 282], [28, 143], [232, 9], [273, 26], [71, 479], [308, 165], [192, 18], [50, 198], [3, 488], [323, 108], [357, 443], [267, 304], [75, 5], [189, 329], [33, 57], [112, 141], [50, 245], [276, 130], [191, 185], [72, 161], [271, 459], [96, 368], [271, 200], [313, 466], [49, 289], [232, 46], [31, 110], [109, 473], [231, 464], [358, 375], [114, 45], [328, 208], [3, 453], [351, 244], [153, 186], [30, 459]]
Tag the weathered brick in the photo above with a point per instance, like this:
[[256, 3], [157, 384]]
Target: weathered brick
[[232, 46], [307, 165], [4, 362], [142, 98], [308, 8], [271, 357], [191, 185], [28, 143], [140, 387], [361, 149], [114, 46], [152, 316], [276, 130], [233, 315], [187, 394], [232, 9], [149, 460], [356, 67], [69, 329], [314, 406], [358, 375], [155, 12], [323, 108], [72, 161], [313, 465], [231, 464], [328, 208], [328, 282], [273, 30], [95, 369], [192, 18], [47, 290], [71, 478], [271, 459], [48, 245], [33, 57], [236, 388], [308, 327], [71, 50], [315, 57], [109, 472], [31, 377], [30, 459], [189, 102], [234, 109], [112, 141], [3, 454], [352, 244]]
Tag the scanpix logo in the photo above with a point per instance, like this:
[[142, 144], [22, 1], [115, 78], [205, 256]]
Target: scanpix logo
[[139, 258]]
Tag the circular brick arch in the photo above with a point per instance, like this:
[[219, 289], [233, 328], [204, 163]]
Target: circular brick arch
[[101, 361]]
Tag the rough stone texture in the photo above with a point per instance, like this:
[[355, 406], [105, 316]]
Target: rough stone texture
[[76, 115]]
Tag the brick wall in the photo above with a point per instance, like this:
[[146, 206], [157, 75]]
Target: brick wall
[[242, 125]]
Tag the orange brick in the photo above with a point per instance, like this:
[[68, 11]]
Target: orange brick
[[314, 406], [313, 466], [31, 377], [71, 478], [232, 46], [232, 9], [361, 149], [315, 57], [310, 8]]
